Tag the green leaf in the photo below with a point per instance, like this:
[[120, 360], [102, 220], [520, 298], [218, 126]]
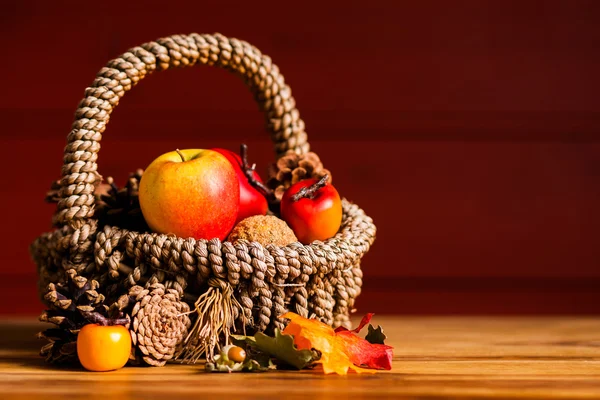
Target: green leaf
[[375, 335], [248, 343], [282, 348], [242, 341], [255, 366], [263, 359]]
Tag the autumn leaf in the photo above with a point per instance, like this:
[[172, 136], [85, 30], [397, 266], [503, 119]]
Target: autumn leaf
[[341, 350], [282, 348], [365, 320], [377, 355]]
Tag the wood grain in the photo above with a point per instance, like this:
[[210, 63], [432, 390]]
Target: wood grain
[[461, 357]]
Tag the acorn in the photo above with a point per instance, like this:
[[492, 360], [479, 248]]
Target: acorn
[[236, 354]]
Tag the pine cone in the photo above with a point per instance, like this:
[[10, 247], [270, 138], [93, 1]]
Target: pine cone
[[61, 347], [121, 206], [292, 168], [73, 304], [160, 322]]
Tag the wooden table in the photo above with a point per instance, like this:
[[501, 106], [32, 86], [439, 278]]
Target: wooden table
[[464, 357]]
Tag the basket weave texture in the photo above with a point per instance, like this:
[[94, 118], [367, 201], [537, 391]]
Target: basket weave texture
[[321, 279]]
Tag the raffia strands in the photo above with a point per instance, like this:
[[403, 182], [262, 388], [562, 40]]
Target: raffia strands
[[216, 310], [97, 237]]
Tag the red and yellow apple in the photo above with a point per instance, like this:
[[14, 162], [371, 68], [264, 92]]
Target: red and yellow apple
[[252, 202], [190, 193]]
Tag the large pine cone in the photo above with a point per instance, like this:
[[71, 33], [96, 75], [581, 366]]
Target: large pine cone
[[292, 168], [71, 304], [159, 322]]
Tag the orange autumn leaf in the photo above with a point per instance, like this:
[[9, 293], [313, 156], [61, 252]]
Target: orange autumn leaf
[[340, 351]]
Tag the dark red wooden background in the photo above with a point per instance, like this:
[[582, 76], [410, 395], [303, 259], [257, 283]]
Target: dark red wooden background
[[469, 130]]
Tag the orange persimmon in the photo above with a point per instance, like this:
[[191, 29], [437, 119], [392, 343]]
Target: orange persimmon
[[313, 209], [103, 348]]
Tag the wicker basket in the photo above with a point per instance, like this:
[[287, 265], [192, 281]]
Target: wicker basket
[[321, 279]]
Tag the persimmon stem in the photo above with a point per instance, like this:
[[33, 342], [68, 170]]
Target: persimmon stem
[[310, 191], [180, 155], [97, 318], [249, 172]]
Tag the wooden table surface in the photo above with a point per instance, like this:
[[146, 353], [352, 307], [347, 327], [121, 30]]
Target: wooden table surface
[[435, 357]]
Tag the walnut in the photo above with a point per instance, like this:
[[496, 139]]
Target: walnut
[[264, 229]]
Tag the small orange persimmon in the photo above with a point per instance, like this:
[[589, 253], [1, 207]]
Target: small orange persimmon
[[103, 348]]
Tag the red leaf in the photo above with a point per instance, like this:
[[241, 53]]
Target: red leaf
[[363, 353]]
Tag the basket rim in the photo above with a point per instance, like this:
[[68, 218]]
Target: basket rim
[[350, 211]]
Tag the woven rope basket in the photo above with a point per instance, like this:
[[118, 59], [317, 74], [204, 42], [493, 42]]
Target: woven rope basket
[[322, 279]]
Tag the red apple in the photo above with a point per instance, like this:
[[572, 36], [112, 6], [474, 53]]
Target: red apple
[[252, 201], [190, 193]]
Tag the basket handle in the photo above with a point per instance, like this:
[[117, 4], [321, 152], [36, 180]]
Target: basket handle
[[79, 171]]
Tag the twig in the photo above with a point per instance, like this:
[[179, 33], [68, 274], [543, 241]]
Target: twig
[[249, 172], [310, 191]]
